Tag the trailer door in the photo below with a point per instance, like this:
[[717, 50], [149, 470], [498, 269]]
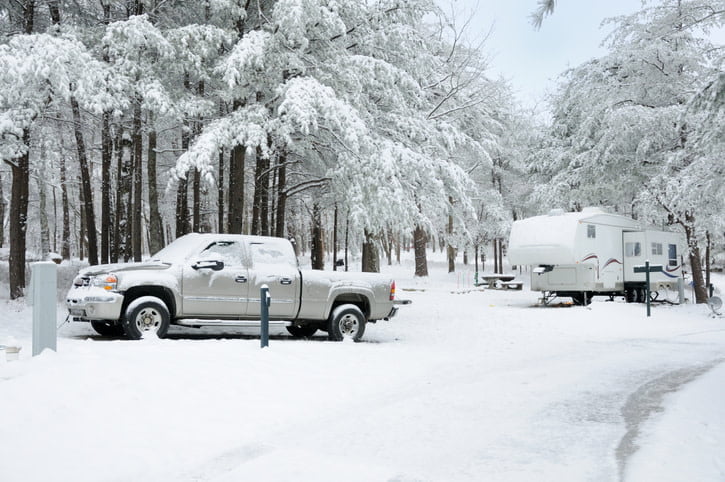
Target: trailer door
[[635, 254]]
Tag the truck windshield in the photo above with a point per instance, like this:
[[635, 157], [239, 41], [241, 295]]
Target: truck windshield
[[178, 250]]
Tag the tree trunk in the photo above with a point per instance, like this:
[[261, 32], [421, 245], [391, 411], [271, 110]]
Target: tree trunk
[[65, 237], [334, 241], [236, 190], [137, 211], [370, 255], [221, 225], [708, 244], [18, 219], [264, 198], [2, 214], [450, 250], [420, 239], [281, 196], [317, 251], [695, 261], [43, 215], [257, 196], [120, 247], [106, 155], [156, 228], [196, 205], [86, 183]]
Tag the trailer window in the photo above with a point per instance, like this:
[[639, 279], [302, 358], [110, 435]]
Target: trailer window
[[591, 231], [657, 248], [632, 249], [672, 254]]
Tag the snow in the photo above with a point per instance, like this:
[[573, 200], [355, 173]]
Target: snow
[[462, 385]]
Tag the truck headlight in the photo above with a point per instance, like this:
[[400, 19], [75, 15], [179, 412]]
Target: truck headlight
[[107, 282]]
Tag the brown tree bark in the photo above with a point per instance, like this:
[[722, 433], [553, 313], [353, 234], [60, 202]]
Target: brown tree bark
[[65, 236], [317, 251], [137, 211], [236, 190], [279, 229], [221, 226], [420, 239], [370, 255], [156, 228], [85, 183], [20, 167]]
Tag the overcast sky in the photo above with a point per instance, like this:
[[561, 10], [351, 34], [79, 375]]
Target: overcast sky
[[531, 59]]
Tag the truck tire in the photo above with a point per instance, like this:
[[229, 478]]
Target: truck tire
[[346, 321], [304, 331], [107, 328], [146, 315]]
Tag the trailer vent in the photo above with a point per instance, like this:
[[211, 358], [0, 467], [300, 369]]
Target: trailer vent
[[556, 212]]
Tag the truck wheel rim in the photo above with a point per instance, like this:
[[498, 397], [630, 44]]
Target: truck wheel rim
[[349, 325], [148, 319]]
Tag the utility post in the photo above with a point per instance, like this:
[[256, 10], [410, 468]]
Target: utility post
[[647, 269]]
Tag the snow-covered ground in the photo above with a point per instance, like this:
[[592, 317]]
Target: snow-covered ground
[[463, 385]]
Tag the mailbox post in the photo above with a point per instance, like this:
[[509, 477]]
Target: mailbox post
[[647, 269]]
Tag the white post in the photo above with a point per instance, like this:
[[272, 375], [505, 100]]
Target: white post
[[43, 281], [681, 290]]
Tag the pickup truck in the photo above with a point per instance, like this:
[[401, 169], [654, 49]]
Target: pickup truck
[[215, 279]]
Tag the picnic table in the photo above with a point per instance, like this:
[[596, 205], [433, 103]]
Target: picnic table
[[500, 281]]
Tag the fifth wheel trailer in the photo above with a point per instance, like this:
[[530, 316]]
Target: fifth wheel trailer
[[592, 253]]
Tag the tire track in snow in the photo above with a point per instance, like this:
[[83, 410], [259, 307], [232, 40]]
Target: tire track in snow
[[648, 400]]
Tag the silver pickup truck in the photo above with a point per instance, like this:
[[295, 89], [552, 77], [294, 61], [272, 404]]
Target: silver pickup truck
[[215, 280]]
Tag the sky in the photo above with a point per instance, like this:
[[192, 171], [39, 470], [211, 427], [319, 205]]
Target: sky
[[532, 59]]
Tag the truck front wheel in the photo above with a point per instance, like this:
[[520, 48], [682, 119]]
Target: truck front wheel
[[346, 321], [146, 314]]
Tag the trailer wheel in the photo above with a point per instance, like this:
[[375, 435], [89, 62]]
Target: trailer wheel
[[630, 295]]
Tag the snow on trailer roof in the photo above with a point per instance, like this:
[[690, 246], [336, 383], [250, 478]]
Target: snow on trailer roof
[[551, 238]]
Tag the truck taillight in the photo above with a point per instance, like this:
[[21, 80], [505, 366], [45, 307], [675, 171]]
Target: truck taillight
[[392, 291]]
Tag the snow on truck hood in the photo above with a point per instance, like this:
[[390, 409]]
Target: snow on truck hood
[[120, 267]]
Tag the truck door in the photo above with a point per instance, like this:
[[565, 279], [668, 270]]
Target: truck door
[[275, 265], [635, 254], [216, 282]]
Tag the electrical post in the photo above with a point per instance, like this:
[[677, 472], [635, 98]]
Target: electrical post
[[43, 285]]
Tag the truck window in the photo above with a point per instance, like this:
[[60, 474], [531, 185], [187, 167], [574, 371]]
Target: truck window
[[591, 231], [230, 252], [672, 255], [632, 249], [657, 248], [273, 253]]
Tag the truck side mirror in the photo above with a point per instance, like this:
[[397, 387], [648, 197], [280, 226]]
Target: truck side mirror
[[210, 264]]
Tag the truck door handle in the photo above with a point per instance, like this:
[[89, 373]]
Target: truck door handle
[[285, 281], [240, 279]]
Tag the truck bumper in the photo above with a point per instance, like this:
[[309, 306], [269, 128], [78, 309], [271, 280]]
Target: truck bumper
[[93, 304]]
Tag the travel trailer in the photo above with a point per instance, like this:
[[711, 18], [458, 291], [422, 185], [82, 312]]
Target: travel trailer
[[593, 253]]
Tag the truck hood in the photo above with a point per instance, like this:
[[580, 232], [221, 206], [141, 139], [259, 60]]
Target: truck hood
[[121, 267]]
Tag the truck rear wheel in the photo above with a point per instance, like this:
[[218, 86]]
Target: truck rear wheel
[[346, 321], [146, 315]]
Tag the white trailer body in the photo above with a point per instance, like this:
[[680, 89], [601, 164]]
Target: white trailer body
[[593, 253]]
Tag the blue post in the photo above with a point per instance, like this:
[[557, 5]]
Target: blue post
[[264, 300], [646, 277]]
